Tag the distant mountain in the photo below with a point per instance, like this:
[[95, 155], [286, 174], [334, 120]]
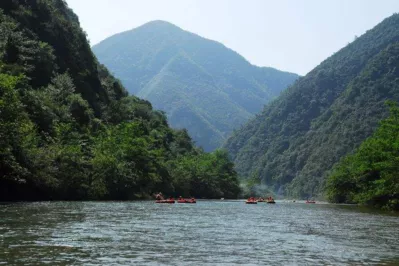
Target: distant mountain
[[200, 84], [293, 144]]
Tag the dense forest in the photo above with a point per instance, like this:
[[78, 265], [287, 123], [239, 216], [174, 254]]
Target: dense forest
[[69, 130], [370, 175], [294, 143], [200, 84]]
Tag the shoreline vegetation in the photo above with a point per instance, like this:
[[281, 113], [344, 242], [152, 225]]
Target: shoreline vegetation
[[69, 130], [370, 175]]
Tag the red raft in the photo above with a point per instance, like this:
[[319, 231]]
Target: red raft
[[165, 201], [267, 200], [251, 202], [310, 201], [186, 201]]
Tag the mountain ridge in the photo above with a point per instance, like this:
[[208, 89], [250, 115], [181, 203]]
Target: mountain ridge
[[287, 144], [159, 61]]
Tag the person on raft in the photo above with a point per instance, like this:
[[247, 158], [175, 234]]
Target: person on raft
[[171, 198], [159, 196], [180, 198]]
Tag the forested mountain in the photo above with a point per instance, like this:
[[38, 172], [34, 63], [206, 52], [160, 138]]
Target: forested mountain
[[296, 140], [68, 130], [200, 84]]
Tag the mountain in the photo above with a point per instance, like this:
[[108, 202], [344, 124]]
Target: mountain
[[200, 84], [68, 129], [295, 141]]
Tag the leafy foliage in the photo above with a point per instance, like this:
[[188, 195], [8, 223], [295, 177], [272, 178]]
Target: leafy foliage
[[209, 175], [69, 131], [371, 174], [292, 145], [200, 84]]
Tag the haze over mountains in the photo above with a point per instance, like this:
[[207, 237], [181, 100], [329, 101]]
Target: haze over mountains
[[200, 84], [293, 144]]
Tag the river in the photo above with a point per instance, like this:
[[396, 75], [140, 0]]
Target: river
[[206, 233]]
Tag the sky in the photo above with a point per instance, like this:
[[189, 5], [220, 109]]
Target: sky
[[290, 35]]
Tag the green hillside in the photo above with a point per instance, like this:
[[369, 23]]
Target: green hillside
[[68, 130], [200, 84], [370, 176], [293, 144]]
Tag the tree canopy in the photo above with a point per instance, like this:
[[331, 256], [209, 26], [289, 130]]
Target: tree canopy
[[370, 175], [68, 129]]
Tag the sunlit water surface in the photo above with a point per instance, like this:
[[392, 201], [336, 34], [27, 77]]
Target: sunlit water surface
[[206, 233]]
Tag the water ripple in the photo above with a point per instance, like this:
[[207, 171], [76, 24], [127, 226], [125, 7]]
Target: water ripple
[[207, 233]]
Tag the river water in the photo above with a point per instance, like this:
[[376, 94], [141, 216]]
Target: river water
[[206, 233]]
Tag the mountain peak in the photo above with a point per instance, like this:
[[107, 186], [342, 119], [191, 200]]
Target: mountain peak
[[161, 24], [200, 84]]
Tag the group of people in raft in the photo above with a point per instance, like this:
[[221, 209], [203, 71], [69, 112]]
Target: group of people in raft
[[253, 199], [159, 197]]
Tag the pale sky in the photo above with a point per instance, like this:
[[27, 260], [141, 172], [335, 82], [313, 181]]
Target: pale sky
[[290, 35]]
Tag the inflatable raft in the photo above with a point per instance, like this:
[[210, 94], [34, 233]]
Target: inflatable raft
[[165, 201], [187, 201]]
